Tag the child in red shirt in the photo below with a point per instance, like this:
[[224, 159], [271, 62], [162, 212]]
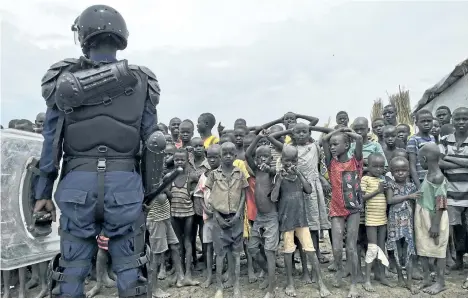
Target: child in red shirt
[[345, 174]]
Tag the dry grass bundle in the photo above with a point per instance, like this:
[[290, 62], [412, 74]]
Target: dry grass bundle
[[401, 100], [377, 109]]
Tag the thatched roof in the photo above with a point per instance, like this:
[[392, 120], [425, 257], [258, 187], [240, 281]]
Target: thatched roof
[[430, 94]]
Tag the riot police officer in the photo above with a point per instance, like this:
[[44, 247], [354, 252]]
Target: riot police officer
[[98, 110]]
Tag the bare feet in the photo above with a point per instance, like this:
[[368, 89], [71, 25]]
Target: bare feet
[[465, 284], [252, 277], [337, 280], [158, 293], [228, 284], [324, 292], [306, 278], [368, 287], [353, 293], [264, 284], [107, 282], [332, 267], [434, 289], [261, 274], [189, 282], [94, 291], [226, 276], [417, 274], [270, 295], [290, 291], [413, 289], [219, 294], [207, 282], [179, 282], [425, 283], [236, 293]]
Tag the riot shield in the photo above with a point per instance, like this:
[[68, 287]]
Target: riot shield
[[20, 244]]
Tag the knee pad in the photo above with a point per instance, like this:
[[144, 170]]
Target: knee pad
[[140, 260], [371, 254], [55, 275]]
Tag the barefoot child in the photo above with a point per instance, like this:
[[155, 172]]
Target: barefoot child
[[373, 189], [249, 210], [265, 230], [431, 225], [227, 185], [200, 166], [308, 164], [161, 233], [182, 209], [345, 205], [213, 156], [400, 197], [289, 190], [361, 127]]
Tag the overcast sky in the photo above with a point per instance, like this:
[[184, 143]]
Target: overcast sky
[[250, 59]]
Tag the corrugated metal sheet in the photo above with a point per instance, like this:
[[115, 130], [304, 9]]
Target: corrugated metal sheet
[[459, 72]]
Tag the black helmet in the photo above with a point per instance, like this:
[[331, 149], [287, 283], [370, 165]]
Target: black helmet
[[100, 19]]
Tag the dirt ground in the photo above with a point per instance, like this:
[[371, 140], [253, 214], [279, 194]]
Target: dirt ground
[[453, 282]]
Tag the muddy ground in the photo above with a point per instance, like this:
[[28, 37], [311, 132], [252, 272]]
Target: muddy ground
[[454, 281]]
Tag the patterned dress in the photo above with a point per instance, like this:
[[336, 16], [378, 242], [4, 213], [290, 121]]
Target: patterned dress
[[400, 219]]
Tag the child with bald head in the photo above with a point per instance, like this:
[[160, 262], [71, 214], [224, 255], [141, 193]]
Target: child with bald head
[[431, 224], [290, 190], [227, 185]]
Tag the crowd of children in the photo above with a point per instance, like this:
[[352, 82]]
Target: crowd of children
[[401, 199]]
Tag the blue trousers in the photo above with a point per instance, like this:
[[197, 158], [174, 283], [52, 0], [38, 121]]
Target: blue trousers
[[76, 196]]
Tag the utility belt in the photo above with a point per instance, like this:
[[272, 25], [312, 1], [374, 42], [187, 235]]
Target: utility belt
[[98, 164]]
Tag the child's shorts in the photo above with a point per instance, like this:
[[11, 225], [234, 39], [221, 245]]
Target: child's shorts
[[103, 242], [228, 239], [265, 230], [208, 230], [161, 235], [303, 234]]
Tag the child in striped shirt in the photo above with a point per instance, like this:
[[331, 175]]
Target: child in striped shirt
[[373, 188]]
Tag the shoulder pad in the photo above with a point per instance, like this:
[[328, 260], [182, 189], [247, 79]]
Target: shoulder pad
[[153, 86], [50, 78], [143, 69], [148, 72]]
